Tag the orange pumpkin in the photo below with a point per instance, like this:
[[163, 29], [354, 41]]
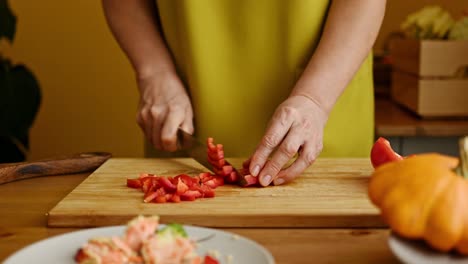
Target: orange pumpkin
[[422, 197]]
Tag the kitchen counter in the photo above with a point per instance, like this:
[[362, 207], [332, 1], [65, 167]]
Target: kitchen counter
[[23, 219], [392, 120]]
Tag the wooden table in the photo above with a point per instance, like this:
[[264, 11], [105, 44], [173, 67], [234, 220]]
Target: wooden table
[[24, 205]]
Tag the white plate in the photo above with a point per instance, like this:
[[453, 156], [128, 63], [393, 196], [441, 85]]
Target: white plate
[[417, 252], [62, 248]]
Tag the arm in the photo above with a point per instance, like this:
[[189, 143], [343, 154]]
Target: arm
[[164, 103], [297, 125], [350, 32], [134, 25]]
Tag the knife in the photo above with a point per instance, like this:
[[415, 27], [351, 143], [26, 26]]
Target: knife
[[193, 148], [197, 150]]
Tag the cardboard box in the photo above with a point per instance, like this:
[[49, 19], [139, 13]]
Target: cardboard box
[[429, 76], [430, 97], [430, 58]]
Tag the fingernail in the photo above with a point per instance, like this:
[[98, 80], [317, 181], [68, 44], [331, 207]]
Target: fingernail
[[255, 170], [279, 181], [266, 180]]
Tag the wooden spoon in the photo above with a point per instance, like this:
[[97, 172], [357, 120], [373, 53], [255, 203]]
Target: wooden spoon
[[82, 162]]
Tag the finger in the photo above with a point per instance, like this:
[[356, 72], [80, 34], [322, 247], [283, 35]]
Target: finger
[[172, 122], [158, 117], [187, 124], [288, 148], [144, 120], [278, 128], [306, 158]]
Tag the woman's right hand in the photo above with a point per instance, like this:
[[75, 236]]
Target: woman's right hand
[[164, 107]]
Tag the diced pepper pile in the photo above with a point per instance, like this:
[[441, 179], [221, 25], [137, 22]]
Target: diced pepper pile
[[161, 189], [216, 159], [224, 169]]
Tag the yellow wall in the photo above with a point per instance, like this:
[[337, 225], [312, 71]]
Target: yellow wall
[[89, 92]]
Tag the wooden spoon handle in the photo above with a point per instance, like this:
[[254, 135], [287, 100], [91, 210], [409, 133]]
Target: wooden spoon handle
[[77, 163]]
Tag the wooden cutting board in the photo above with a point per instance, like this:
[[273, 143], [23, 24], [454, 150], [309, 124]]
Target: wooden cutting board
[[331, 193]]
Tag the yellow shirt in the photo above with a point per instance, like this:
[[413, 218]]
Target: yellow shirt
[[240, 59]]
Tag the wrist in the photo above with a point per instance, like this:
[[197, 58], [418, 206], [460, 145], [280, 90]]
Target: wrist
[[319, 86], [158, 79], [322, 101], [318, 105], [145, 72]]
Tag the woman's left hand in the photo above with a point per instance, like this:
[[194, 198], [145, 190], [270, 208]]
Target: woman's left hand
[[295, 128]]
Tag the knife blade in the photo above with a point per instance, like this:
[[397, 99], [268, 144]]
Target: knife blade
[[196, 149], [193, 148]]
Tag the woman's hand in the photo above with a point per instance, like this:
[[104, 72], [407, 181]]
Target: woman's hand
[[296, 127], [298, 123], [164, 107], [164, 103]]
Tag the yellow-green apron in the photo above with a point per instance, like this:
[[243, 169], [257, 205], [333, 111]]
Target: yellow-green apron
[[240, 59]]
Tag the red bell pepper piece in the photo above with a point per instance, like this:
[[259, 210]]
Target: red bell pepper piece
[[150, 196], [134, 183], [167, 184], [249, 180], [216, 163], [210, 260], [215, 156], [181, 187], [160, 199], [190, 195], [175, 198], [382, 153], [218, 180]]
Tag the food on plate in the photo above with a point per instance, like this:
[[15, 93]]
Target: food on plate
[[144, 243], [423, 197]]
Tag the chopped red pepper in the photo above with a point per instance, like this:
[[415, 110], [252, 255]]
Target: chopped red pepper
[[190, 195], [160, 199], [210, 260], [175, 198], [207, 191], [167, 184], [134, 183], [181, 187], [160, 189], [150, 196], [249, 180], [215, 155]]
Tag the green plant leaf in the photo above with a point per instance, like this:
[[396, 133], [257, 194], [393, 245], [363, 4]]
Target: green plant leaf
[[20, 99], [7, 21]]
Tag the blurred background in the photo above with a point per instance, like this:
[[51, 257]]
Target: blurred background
[[88, 92]]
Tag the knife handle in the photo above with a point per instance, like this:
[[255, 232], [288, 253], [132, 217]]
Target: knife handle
[[76, 163]]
